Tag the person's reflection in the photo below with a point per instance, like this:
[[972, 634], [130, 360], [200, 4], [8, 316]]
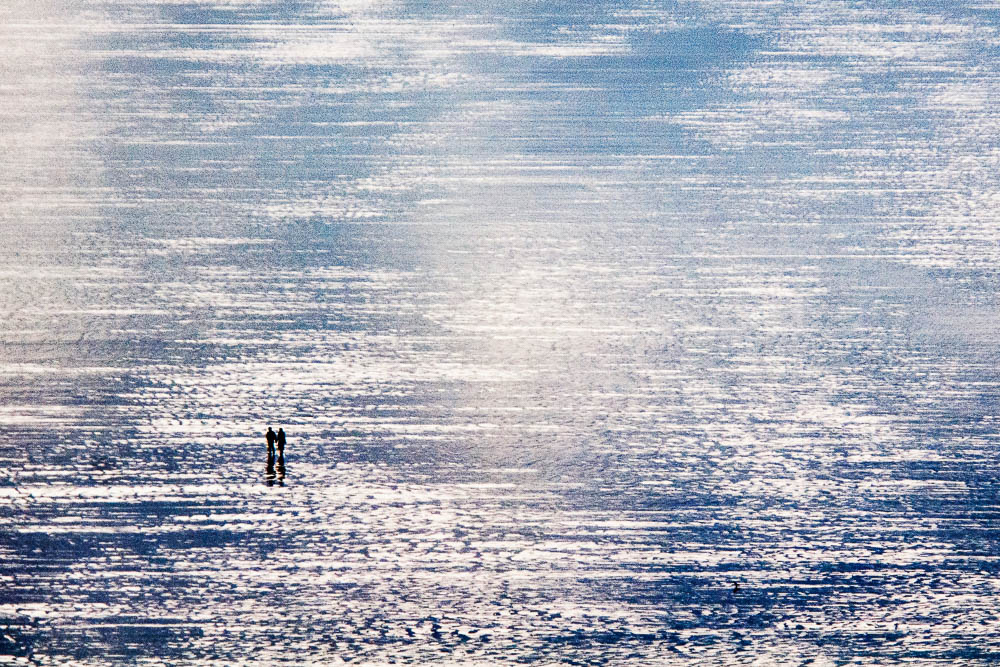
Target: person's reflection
[[281, 469], [269, 477]]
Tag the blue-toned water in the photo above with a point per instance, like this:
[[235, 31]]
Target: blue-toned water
[[576, 314]]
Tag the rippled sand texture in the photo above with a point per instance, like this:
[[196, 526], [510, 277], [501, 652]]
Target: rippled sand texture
[[576, 313]]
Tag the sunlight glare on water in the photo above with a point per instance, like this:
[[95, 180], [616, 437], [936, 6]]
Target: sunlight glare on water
[[576, 314]]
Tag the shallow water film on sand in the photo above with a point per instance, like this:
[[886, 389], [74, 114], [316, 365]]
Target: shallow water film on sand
[[618, 332]]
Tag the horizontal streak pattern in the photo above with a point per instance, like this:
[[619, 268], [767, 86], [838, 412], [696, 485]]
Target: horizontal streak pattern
[[576, 314]]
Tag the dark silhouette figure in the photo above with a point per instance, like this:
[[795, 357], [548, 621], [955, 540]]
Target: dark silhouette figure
[[281, 442], [271, 437], [736, 587]]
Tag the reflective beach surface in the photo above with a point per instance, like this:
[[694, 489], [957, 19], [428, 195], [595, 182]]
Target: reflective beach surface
[[626, 332]]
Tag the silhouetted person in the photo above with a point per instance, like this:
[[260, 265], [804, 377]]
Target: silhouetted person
[[271, 437], [281, 442], [736, 587]]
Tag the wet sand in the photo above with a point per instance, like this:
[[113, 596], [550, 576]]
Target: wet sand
[[575, 316]]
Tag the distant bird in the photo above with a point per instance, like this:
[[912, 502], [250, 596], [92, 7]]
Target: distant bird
[[736, 587]]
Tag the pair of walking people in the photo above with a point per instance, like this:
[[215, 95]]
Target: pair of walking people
[[275, 438]]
